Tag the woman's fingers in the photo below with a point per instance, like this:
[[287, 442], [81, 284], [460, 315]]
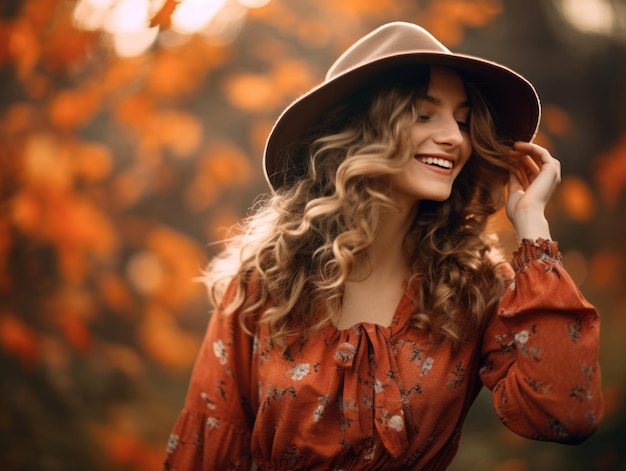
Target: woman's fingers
[[540, 156], [534, 160], [537, 175], [531, 184], [527, 169]]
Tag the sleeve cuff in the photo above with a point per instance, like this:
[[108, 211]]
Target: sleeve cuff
[[540, 249]]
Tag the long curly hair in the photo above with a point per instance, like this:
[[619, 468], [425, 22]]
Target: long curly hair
[[302, 242]]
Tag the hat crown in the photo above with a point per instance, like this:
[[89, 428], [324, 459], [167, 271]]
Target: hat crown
[[391, 39]]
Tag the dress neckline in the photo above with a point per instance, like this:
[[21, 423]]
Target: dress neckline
[[399, 322]]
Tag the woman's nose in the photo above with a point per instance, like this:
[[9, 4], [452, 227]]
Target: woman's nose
[[448, 132]]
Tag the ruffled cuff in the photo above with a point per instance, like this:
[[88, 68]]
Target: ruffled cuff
[[542, 250]]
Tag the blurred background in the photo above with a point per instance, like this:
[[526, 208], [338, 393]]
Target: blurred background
[[131, 135]]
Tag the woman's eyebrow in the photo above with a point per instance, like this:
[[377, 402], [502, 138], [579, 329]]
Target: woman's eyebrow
[[437, 101]]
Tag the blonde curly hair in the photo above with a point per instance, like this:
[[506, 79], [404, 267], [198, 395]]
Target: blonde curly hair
[[303, 242]]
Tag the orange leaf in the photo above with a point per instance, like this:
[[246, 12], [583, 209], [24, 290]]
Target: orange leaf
[[180, 132], [181, 260], [222, 224], [6, 244], [78, 224], [291, 77], [315, 34], [93, 161], [145, 271], [604, 268], [76, 332], [123, 444], [135, 110], [447, 19], [163, 18], [120, 74], [19, 340], [165, 342], [577, 199], [556, 120], [72, 263], [251, 92], [115, 293], [173, 74], [5, 37], [27, 212], [19, 118], [222, 165], [123, 358], [361, 8], [123, 449], [46, 165], [71, 109], [64, 45], [200, 195], [259, 131], [611, 172], [129, 187], [24, 48]]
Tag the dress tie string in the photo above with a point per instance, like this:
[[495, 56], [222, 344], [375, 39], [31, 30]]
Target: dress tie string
[[371, 373]]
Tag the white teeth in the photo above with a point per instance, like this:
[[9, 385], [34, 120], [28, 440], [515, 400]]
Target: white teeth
[[436, 161]]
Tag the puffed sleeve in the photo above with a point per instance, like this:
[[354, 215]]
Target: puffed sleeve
[[540, 351], [213, 430]]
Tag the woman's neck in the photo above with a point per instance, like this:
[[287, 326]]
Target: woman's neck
[[376, 287], [387, 254]]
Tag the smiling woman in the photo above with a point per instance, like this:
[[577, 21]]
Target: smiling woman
[[363, 305]]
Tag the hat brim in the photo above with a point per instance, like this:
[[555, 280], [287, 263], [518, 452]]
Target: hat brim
[[512, 98]]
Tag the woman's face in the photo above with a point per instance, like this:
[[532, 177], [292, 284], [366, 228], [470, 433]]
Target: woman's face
[[439, 141]]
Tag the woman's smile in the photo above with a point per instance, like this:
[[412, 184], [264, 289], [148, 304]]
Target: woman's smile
[[440, 141]]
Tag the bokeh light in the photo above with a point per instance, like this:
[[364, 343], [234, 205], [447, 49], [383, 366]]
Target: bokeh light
[[593, 16], [128, 22]]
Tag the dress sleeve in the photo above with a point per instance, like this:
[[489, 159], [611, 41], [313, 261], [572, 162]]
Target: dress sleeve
[[540, 351], [213, 430]]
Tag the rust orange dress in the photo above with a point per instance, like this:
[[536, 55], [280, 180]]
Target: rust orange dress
[[372, 397]]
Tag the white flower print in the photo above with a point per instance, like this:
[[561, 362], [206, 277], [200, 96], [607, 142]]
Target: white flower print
[[369, 454], [220, 351], [378, 386], [427, 365], [212, 423], [397, 423], [172, 443], [318, 413], [209, 403], [300, 371], [345, 353], [522, 337]]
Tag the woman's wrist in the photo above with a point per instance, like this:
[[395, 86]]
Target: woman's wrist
[[532, 226]]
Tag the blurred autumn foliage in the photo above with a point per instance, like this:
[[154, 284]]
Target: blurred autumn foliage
[[117, 174]]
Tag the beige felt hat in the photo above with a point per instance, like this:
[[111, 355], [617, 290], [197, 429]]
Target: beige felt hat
[[513, 99]]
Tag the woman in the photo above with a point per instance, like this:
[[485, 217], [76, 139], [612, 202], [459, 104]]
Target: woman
[[363, 305]]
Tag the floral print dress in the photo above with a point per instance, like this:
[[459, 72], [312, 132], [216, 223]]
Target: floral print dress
[[373, 397]]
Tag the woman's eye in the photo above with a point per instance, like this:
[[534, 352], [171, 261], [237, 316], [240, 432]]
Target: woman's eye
[[463, 125], [423, 118]]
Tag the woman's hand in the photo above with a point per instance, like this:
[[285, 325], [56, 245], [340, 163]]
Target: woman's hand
[[530, 188]]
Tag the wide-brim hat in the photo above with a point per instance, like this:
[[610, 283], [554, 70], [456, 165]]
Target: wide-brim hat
[[512, 99]]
